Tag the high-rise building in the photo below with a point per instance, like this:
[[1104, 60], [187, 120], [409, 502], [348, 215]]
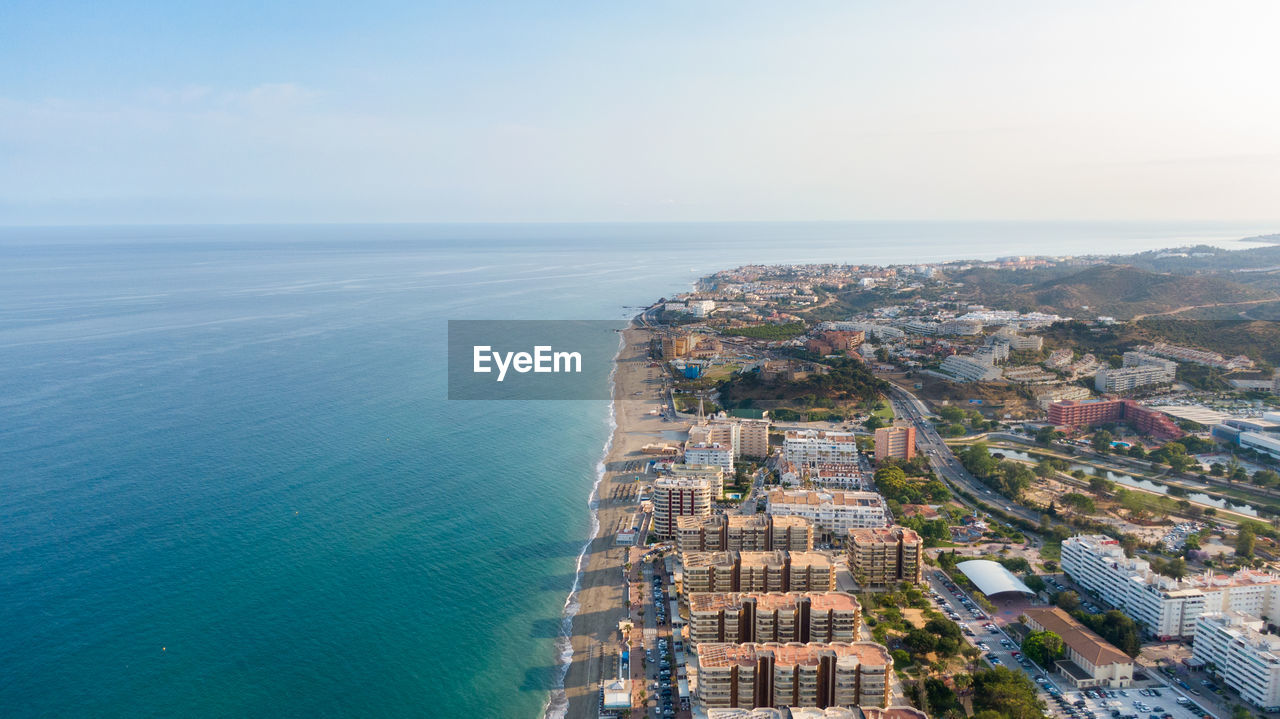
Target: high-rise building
[[679, 497], [1167, 608], [773, 571], [1139, 370], [886, 556], [806, 447], [894, 712], [897, 441], [774, 617], [834, 512], [1236, 648], [821, 675], [1086, 414], [743, 533]]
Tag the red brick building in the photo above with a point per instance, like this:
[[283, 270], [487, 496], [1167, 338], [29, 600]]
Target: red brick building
[[1093, 412]]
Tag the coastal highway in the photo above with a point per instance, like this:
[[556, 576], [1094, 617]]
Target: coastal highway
[[945, 464]]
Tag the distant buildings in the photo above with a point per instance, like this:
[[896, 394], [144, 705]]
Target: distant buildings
[[894, 712], [774, 571], [1165, 607], [848, 674], [675, 497], [1062, 393], [1145, 420], [1017, 342], [897, 441], [1200, 357], [970, 369], [886, 556], [809, 447], [1139, 370], [834, 511], [747, 437], [804, 617], [1090, 661], [744, 533], [1242, 654], [712, 453]]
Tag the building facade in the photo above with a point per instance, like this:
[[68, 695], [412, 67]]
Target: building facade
[[744, 533], [1144, 420], [833, 512], [885, 557], [1238, 651], [773, 571], [803, 617], [848, 674], [1167, 608], [675, 497], [1090, 661], [897, 442], [808, 447]]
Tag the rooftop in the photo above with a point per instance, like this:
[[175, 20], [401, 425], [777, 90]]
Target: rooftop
[[715, 654], [1082, 640], [883, 535], [847, 498], [772, 601], [992, 578]]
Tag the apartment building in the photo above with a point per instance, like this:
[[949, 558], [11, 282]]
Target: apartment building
[[1086, 414], [744, 533], [709, 472], [675, 497], [894, 712], [886, 556], [833, 512], [1090, 660], [1138, 370], [1237, 649], [804, 617], [821, 675], [713, 453], [1167, 608], [808, 447], [897, 441], [772, 571], [970, 369]]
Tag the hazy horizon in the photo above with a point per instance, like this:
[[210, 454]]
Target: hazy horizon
[[393, 112]]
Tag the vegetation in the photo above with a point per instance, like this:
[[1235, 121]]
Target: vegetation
[[768, 332], [1043, 648]]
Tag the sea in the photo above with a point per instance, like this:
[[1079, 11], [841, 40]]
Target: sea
[[232, 484]]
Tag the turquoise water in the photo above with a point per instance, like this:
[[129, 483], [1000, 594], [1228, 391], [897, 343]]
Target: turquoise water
[[230, 483]]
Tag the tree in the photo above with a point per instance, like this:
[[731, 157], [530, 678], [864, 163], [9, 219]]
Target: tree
[[873, 423], [1034, 583], [1079, 502], [1102, 440], [951, 414], [1004, 693], [1245, 541], [1043, 648], [1137, 451], [1069, 601], [1101, 485], [1266, 478], [1129, 543]]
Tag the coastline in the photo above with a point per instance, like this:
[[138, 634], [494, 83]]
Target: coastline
[[598, 603]]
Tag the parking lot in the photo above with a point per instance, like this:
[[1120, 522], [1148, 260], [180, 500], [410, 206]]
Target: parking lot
[[998, 649]]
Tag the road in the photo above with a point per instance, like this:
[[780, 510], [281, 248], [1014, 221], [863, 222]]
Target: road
[[945, 464]]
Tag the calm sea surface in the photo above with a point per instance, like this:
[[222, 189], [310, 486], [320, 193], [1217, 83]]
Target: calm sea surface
[[231, 485]]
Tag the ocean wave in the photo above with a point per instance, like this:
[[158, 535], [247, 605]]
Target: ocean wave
[[557, 705]]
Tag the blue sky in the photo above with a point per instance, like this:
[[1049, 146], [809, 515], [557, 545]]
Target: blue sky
[[320, 112]]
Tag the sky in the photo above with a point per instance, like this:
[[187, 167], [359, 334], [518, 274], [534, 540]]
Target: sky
[[150, 112]]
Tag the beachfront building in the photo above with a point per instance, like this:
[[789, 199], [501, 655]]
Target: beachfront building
[[810, 447], [773, 571], [896, 442], [894, 712], [1090, 660], [743, 533], [747, 437], [821, 675], [736, 617], [709, 472], [712, 453], [1166, 608], [1236, 648], [833, 512], [885, 556], [675, 497]]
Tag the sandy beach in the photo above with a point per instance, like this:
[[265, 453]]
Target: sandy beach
[[596, 638]]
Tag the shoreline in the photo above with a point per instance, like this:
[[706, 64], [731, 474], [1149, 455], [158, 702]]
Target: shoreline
[[593, 640]]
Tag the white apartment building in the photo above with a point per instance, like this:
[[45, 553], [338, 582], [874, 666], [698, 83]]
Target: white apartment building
[[710, 453], [1167, 608], [1139, 370], [808, 447], [834, 512], [969, 369], [1246, 658]]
